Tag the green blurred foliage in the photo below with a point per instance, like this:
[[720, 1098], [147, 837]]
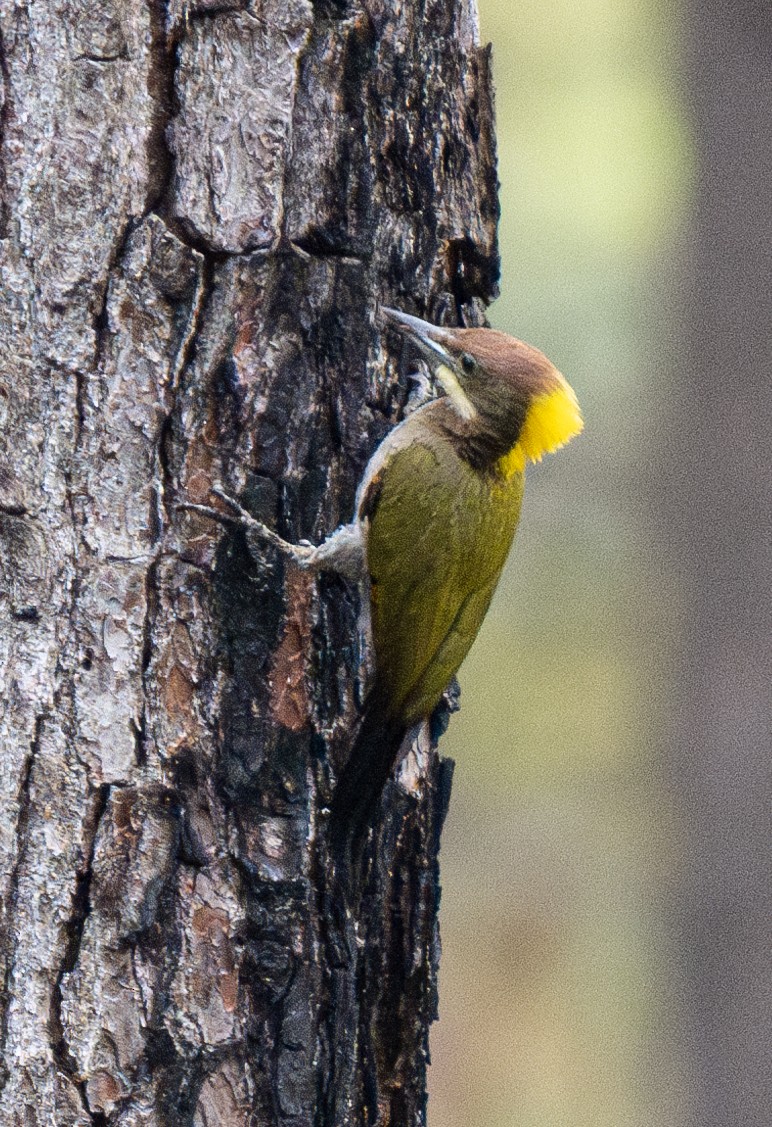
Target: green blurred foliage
[[558, 852]]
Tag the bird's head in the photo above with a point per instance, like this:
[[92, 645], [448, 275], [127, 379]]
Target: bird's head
[[505, 391]]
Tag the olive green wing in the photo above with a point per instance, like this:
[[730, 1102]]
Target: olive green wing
[[439, 534]]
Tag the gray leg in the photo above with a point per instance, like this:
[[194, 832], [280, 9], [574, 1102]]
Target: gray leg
[[342, 551], [256, 531]]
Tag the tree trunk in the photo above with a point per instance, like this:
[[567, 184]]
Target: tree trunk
[[200, 206]]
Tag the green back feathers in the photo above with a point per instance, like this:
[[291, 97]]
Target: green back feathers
[[439, 534]]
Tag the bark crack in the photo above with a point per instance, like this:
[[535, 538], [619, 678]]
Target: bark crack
[[201, 14], [164, 489], [182, 359], [5, 117], [80, 404], [287, 170], [308, 247], [73, 932], [166, 38], [13, 510], [160, 84], [101, 319], [124, 54], [22, 831], [152, 597]]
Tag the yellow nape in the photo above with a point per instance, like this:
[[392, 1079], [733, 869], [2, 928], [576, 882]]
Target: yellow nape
[[553, 419], [512, 463]]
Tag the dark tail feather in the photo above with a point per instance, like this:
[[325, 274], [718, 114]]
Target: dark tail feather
[[357, 795]]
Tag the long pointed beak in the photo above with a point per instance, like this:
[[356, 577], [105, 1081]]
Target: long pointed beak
[[429, 339]]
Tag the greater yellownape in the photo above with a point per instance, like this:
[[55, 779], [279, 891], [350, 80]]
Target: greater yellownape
[[436, 513]]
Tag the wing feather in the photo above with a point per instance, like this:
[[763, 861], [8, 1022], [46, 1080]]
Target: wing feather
[[439, 534]]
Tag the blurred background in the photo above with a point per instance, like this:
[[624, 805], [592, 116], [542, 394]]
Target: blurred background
[[604, 961]]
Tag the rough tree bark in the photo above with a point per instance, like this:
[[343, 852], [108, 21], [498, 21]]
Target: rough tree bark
[[200, 205]]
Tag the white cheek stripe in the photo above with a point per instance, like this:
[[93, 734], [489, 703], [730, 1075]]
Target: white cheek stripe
[[455, 392]]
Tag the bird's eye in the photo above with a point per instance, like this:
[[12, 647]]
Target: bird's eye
[[468, 363]]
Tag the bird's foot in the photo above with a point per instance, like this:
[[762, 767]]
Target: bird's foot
[[421, 390], [301, 553]]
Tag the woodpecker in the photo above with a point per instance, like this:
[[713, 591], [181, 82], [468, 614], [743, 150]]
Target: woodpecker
[[436, 512]]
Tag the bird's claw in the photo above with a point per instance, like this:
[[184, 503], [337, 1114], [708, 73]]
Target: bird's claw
[[206, 511], [301, 553], [244, 517], [421, 390]]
